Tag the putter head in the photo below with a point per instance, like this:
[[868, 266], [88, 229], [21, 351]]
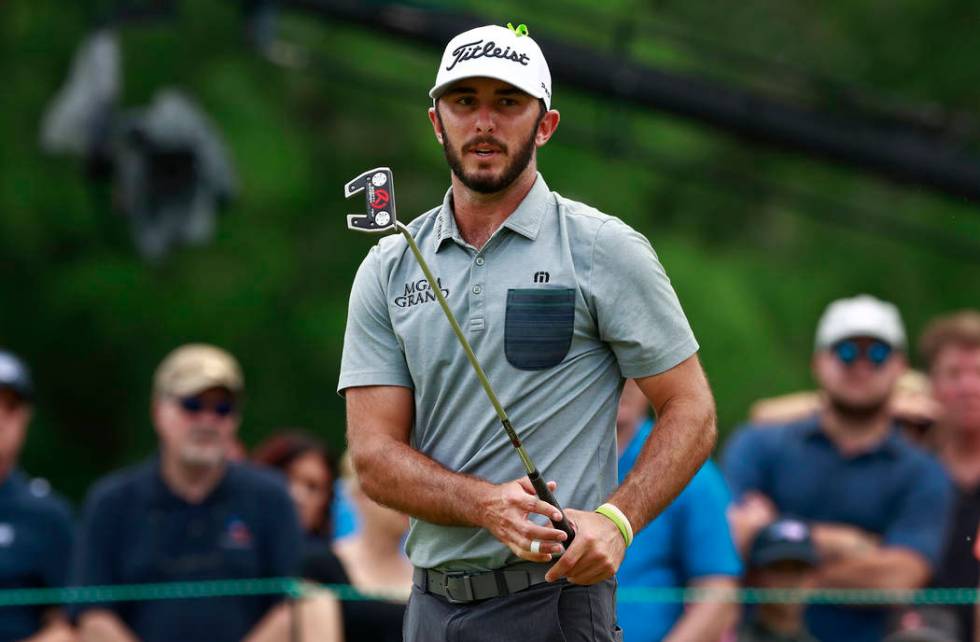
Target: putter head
[[378, 186]]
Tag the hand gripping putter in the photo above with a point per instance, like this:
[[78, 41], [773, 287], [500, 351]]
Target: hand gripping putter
[[379, 189]]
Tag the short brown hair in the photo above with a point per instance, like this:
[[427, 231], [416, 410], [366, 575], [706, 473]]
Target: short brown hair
[[959, 328]]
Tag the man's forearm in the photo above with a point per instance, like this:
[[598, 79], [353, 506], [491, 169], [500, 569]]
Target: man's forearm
[[882, 568], [841, 541], [56, 628], [676, 449], [104, 626], [316, 616], [396, 475], [706, 621]]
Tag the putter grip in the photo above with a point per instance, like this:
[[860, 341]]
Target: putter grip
[[541, 488]]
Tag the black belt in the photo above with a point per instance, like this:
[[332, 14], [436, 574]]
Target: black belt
[[469, 586]]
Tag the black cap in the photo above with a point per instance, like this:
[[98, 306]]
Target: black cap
[[783, 540], [15, 376]]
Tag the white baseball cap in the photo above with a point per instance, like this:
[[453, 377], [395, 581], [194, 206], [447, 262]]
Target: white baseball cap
[[495, 52], [860, 316]]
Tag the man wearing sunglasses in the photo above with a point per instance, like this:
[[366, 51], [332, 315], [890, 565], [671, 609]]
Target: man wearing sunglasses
[[876, 504], [188, 514]]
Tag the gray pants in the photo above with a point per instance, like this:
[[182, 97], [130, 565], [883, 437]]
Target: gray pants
[[559, 612]]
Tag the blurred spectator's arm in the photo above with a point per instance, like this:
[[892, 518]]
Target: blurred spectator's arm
[[101, 625], [909, 549], [316, 617], [749, 516], [56, 628], [879, 568], [839, 541], [706, 621]]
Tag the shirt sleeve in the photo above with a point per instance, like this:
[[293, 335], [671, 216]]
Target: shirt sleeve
[[706, 542], [744, 461], [284, 548], [95, 548], [56, 561], [372, 354], [923, 517], [638, 313]]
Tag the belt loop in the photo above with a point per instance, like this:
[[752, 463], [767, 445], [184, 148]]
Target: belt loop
[[502, 588], [423, 583]]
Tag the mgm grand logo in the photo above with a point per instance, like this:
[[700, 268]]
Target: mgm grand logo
[[417, 292]]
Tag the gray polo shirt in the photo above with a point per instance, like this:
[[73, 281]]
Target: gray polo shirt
[[560, 305]]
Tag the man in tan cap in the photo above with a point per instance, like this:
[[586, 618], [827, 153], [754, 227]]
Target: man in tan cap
[[189, 514]]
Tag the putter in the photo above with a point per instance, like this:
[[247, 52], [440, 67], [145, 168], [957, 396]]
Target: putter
[[379, 189]]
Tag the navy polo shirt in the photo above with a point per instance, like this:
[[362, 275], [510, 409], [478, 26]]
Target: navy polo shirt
[[136, 530], [35, 548], [895, 491]]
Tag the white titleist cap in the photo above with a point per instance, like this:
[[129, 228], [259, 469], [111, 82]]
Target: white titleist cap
[[495, 52], [860, 316]]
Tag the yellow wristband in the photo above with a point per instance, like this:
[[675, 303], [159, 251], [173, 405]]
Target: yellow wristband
[[617, 517]]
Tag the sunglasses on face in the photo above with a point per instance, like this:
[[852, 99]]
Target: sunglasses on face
[[848, 351], [195, 405]]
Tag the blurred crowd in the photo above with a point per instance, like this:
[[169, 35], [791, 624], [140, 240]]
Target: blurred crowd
[[871, 481], [200, 508]]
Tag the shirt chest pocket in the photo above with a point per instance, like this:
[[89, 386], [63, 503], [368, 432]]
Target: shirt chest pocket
[[539, 326]]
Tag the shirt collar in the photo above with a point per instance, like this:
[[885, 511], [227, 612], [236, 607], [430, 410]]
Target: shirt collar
[[525, 220], [891, 445]]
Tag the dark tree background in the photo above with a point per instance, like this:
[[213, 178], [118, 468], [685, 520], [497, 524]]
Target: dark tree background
[[756, 241]]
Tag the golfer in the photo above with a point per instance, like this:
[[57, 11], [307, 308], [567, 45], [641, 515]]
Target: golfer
[[560, 303]]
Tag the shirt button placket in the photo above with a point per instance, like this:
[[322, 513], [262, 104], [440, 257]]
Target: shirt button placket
[[476, 292]]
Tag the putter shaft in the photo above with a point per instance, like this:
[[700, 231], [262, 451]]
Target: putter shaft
[[540, 486]]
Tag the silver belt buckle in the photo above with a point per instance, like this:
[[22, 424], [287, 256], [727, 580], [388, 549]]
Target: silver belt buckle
[[458, 587]]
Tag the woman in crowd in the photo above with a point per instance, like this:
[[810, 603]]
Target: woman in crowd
[[366, 565], [311, 470]]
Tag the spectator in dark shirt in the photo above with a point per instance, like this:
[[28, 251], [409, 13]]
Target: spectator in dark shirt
[[35, 524], [950, 346], [876, 504], [189, 514], [782, 557]]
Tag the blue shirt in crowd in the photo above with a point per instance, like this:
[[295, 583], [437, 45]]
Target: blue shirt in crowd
[[136, 530], [895, 491], [689, 540], [345, 520], [35, 548]]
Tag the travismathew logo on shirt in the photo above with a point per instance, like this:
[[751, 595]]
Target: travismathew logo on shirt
[[474, 50], [417, 292]]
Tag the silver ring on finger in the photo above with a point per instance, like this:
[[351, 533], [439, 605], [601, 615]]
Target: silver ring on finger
[[535, 546]]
